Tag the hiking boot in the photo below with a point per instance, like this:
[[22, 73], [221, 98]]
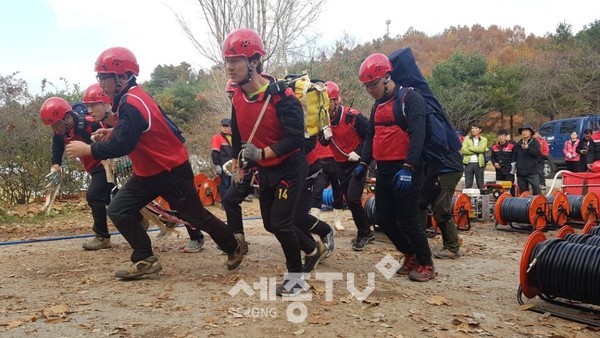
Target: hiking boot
[[235, 258], [446, 254], [290, 287], [430, 232], [140, 268], [311, 262], [329, 242], [193, 246], [422, 273], [410, 263], [245, 247], [370, 237], [360, 243], [97, 243]]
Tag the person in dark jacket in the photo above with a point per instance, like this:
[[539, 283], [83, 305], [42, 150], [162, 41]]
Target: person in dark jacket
[[160, 164], [526, 158], [398, 149], [502, 153], [587, 150]]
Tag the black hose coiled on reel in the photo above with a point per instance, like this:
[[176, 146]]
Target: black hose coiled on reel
[[576, 202], [516, 209], [566, 270], [583, 239]]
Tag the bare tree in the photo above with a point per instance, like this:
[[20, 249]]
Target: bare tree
[[282, 24]]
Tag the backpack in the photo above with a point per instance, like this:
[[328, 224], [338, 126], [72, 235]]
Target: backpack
[[314, 99], [176, 131], [81, 110], [172, 125], [441, 136]]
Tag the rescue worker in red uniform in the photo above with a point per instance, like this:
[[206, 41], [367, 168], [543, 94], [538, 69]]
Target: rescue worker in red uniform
[[69, 127], [100, 108], [397, 145], [160, 162], [345, 136], [268, 128]]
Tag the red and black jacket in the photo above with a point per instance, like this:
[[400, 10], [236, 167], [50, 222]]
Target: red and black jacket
[[502, 154], [143, 134]]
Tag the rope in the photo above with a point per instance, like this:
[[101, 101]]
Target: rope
[[566, 270]]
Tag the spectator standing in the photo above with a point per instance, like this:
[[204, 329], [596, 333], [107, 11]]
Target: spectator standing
[[526, 156], [473, 150], [571, 156]]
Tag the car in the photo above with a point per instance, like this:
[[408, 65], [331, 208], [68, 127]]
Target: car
[[556, 132]]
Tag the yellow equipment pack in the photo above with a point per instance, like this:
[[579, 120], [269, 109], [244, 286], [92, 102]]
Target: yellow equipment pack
[[314, 99]]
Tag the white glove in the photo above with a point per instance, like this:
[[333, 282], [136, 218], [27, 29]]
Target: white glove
[[327, 133], [569, 155], [219, 169], [513, 167], [353, 157]]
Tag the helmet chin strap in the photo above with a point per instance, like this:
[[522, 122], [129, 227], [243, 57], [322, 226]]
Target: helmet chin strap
[[106, 113], [385, 86], [119, 84], [249, 78]]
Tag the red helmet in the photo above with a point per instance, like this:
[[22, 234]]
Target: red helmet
[[117, 60], [243, 42], [53, 110], [230, 86], [94, 94], [595, 167], [376, 66], [333, 91]]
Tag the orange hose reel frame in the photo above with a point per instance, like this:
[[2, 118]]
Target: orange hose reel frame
[[536, 237]]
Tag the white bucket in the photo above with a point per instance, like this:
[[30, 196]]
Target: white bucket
[[472, 192]]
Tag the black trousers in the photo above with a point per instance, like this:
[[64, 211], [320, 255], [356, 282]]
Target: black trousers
[[353, 191], [279, 193], [306, 222], [98, 197], [329, 175], [397, 211], [178, 189], [235, 195]]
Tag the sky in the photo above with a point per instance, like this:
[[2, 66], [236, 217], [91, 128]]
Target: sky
[[56, 39]]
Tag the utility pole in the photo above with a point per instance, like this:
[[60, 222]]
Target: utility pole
[[387, 30]]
